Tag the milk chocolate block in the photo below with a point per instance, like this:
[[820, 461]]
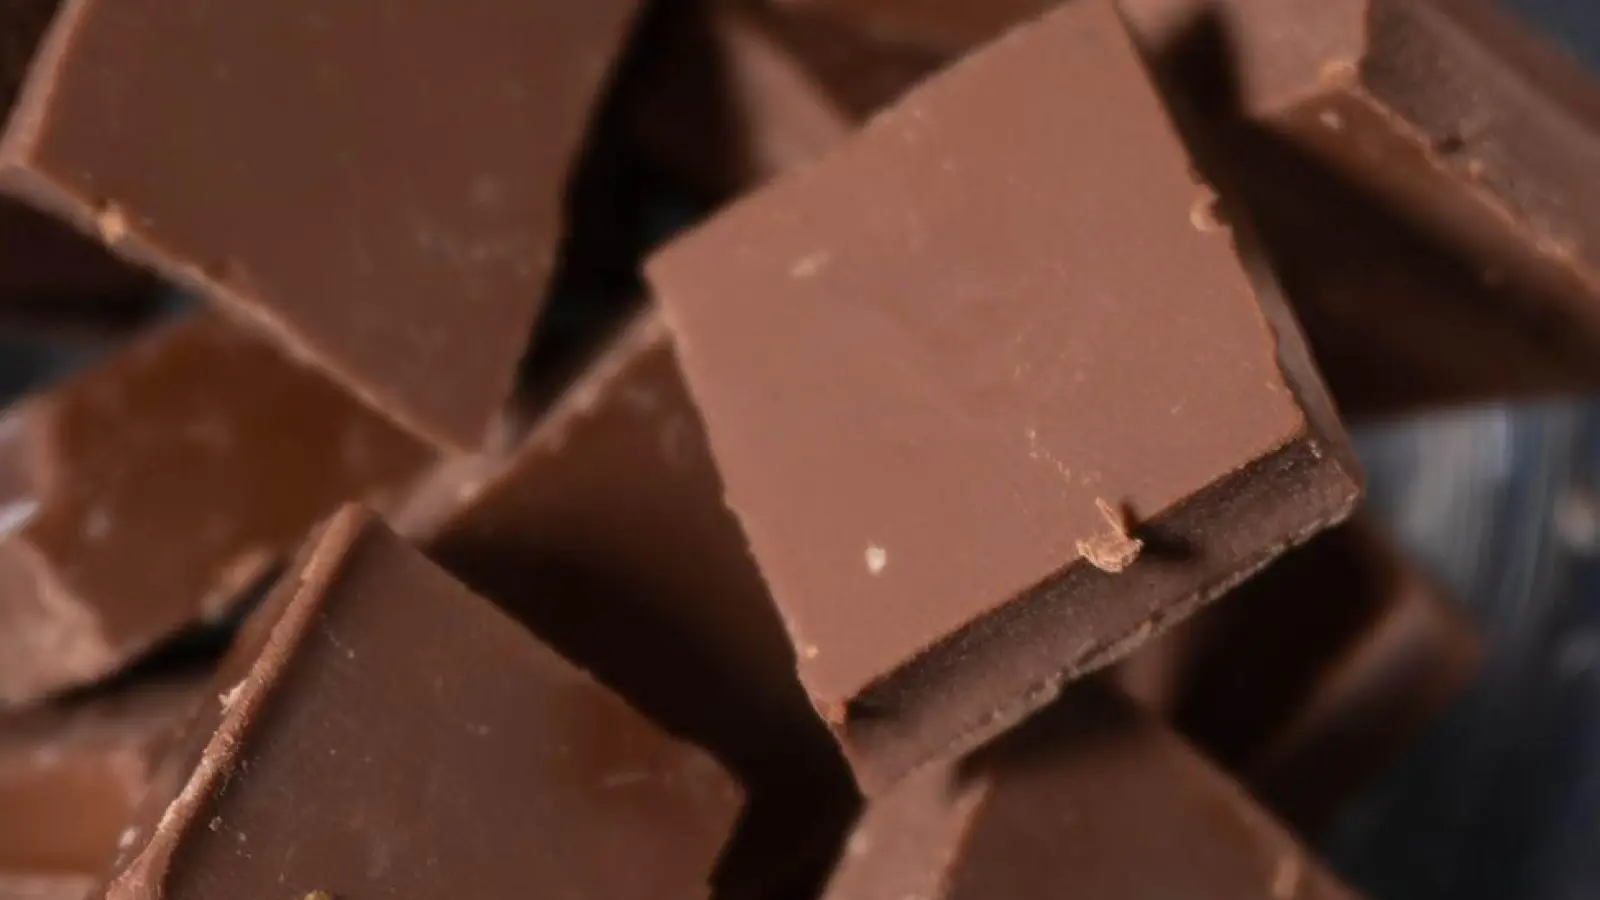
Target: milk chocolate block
[[1307, 680], [379, 188], [605, 531], [736, 94], [45, 887], [1091, 799], [71, 776], [146, 494], [1449, 112], [993, 394], [381, 731]]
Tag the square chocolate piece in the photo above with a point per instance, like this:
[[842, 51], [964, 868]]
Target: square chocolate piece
[[994, 394], [379, 187], [379, 731]]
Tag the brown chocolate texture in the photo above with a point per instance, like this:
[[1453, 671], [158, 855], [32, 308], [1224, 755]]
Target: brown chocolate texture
[[1306, 681], [322, 173], [71, 775], [605, 531], [15, 886], [379, 730], [951, 398], [145, 494], [1421, 169], [1091, 797]]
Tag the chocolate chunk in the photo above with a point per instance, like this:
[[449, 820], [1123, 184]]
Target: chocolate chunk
[[1091, 794], [379, 188], [380, 731], [146, 494], [1307, 680], [958, 373], [45, 887], [72, 775], [605, 531], [1446, 114], [737, 94]]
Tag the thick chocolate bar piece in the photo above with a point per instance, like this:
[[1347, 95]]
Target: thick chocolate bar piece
[[379, 187], [381, 731], [146, 494], [1311, 677], [605, 531], [1091, 799], [993, 394], [45, 886], [71, 776]]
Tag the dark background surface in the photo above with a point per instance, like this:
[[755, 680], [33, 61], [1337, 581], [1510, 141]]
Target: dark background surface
[[1502, 800]]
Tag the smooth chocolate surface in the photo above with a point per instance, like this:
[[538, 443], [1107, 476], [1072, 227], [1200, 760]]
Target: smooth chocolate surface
[[45, 886], [1307, 680], [978, 442], [145, 494], [379, 730], [606, 532], [72, 775], [1092, 799], [377, 187]]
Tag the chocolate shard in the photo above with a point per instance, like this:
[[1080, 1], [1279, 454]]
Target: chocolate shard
[[71, 775], [146, 494], [606, 533], [960, 371], [1307, 680], [1092, 793], [322, 172], [379, 730], [14, 886], [736, 94]]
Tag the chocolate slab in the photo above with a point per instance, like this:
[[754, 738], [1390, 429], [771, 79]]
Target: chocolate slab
[[377, 188], [980, 441], [1307, 680], [72, 775], [381, 731], [736, 94], [613, 497], [1091, 799], [145, 494], [45, 887]]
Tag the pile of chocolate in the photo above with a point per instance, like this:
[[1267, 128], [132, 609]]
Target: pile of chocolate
[[843, 546]]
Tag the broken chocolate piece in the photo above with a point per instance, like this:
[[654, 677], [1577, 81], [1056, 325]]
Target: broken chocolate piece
[[379, 188], [380, 731], [928, 364], [146, 494], [605, 531], [1093, 794], [1308, 679], [71, 776]]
